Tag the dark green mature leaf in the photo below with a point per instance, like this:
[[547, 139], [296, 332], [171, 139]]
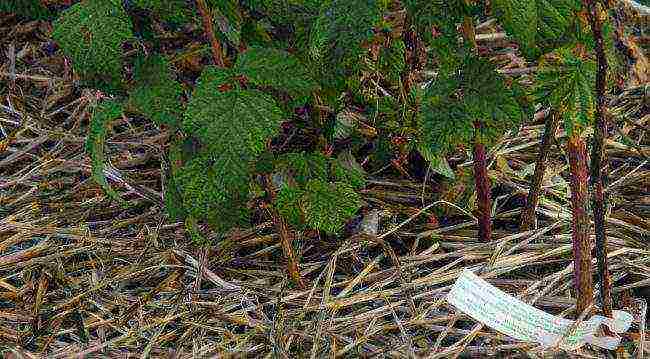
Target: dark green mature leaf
[[519, 18], [304, 176], [342, 26], [207, 192], [233, 127], [538, 25], [32, 9], [91, 33], [174, 11], [445, 125], [474, 93], [277, 69], [157, 94], [565, 80], [103, 113], [487, 99], [232, 123], [556, 18], [199, 185], [338, 33]]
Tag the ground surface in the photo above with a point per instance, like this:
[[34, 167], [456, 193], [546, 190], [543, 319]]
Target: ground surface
[[80, 274]]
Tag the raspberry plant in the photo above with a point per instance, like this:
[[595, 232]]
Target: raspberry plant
[[272, 56], [232, 114], [570, 82], [471, 105]]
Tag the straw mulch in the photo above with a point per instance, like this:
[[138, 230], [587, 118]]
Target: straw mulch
[[81, 276]]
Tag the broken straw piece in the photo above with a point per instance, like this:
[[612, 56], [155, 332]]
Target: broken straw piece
[[491, 306]]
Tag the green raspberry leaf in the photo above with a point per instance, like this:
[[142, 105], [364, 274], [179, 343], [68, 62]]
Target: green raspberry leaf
[[157, 94], [232, 122], [276, 69], [565, 81], [328, 206], [91, 33], [474, 93]]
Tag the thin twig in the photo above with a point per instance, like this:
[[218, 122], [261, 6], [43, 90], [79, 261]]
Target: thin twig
[[528, 218]]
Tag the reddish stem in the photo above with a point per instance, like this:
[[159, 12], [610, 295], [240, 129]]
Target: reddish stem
[[582, 276], [598, 164], [286, 237], [482, 185], [217, 53]]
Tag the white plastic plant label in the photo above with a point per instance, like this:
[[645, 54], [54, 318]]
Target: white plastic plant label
[[492, 307]]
